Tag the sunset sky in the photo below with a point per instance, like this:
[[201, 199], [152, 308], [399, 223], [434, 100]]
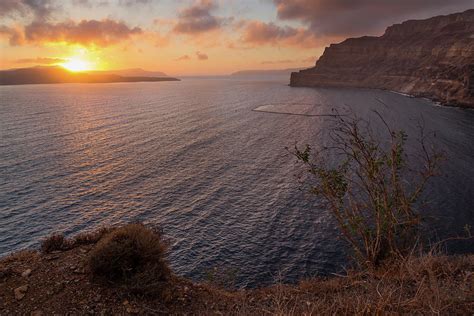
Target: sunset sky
[[193, 37]]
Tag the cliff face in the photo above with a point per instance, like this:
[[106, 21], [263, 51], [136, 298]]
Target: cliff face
[[431, 58]]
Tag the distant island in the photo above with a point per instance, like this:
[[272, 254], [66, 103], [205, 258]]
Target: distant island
[[56, 74], [431, 58], [132, 72], [259, 73]]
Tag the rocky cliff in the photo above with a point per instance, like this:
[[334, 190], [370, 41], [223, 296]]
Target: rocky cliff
[[431, 58]]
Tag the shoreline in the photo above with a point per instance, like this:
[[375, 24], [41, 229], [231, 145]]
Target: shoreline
[[434, 100]]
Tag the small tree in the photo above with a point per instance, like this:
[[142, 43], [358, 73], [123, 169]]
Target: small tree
[[364, 184]]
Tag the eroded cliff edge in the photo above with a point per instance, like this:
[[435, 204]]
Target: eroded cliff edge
[[431, 58]]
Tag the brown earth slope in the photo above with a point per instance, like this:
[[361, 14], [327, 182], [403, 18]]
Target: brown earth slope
[[59, 283], [431, 58]]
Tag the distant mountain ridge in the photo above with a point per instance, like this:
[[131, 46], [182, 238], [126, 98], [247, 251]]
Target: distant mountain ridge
[[431, 58], [55, 74]]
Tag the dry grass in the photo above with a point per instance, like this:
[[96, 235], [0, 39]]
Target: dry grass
[[439, 285]]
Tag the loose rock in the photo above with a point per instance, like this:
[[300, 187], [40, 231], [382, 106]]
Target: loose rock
[[20, 292]]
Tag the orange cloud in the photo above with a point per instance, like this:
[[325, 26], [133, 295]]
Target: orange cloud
[[310, 59], [41, 60], [201, 56], [86, 32], [184, 57]]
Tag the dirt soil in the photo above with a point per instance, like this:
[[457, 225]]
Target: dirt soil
[[58, 283]]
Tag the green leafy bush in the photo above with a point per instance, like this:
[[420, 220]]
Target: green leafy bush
[[370, 187]]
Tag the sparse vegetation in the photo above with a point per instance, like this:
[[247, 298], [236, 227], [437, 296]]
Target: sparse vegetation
[[132, 255], [371, 188], [57, 284], [221, 277], [55, 242]]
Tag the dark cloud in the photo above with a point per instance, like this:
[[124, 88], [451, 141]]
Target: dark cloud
[[260, 33], [355, 17], [201, 56], [39, 8], [130, 3], [102, 3], [40, 60], [86, 32], [198, 18]]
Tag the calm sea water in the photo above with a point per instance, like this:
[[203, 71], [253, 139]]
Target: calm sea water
[[194, 158]]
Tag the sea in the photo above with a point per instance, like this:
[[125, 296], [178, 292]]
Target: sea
[[209, 162]]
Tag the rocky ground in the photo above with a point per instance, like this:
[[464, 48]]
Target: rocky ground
[[58, 283]]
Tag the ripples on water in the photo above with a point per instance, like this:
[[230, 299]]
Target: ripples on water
[[194, 158]]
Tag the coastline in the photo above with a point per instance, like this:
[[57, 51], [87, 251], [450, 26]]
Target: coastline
[[124, 80], [432, 98]]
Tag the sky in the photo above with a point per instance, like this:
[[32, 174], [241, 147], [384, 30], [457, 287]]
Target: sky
[[193, 37]]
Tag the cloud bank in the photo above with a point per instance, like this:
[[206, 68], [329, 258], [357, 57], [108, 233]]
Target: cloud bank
[[38, 8], [86, 32], [342, 18], [41, 61]]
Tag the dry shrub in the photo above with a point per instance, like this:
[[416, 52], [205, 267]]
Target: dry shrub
[[55, 242], [131, 256]]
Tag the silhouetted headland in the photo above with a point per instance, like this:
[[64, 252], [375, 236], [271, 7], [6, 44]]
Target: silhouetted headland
[[49, 75]]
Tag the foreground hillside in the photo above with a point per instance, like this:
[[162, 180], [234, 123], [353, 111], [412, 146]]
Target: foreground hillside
[[60, 282], [431, 58]]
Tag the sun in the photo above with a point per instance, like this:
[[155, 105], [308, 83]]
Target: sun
[[77, 64]]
